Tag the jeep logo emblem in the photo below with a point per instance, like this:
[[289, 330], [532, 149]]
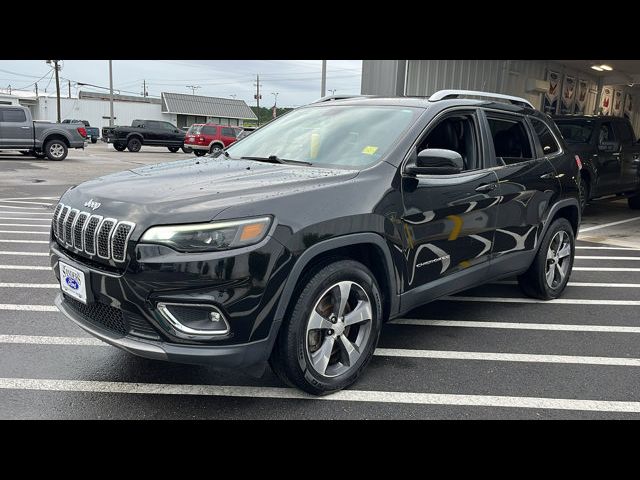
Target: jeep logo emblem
[[92, 205]]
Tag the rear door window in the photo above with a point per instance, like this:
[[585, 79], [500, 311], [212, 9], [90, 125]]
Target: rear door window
[[510, 139], [13, 116], [605, 133], [209, 130]]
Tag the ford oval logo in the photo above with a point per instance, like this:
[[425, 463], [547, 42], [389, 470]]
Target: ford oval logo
[[72, 283]]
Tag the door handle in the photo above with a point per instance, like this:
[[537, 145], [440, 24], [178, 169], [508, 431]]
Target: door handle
[[548, 176], [26, 127], [487, 187]]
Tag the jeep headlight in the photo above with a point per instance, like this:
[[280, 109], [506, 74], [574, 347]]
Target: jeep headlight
[[207, 237]]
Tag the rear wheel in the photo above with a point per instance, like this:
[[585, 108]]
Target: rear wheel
[[199, 153], [119, 146], [549, 273], [634, 202], [56, 150], [330, 335], [187, 150], [134, 145], [583, 194], [94, 140], [173, 149], [215, 148]]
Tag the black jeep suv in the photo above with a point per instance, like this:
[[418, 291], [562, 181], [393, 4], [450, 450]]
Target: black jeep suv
[[298, 242]]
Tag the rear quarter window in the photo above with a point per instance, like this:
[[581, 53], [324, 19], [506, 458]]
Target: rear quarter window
[[548, 142]]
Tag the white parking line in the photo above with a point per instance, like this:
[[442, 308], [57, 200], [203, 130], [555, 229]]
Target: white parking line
[[513, 325], [44, 214], [608, 248], [606, 269], [24, 225], [605, 225], [23, 241], [26, 254], [28, 308], [581, 284], [506, 357], [380, 352], [597, 257], [23, 267], [29, 285], [23, 208], [565, 301], [28, 203], [371, 396], [27, 218], [24, 231]]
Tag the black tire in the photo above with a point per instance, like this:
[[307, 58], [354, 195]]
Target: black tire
[[583, 193], [534, 282], [215, 147], [634, 202], [119, 146], [290, 358], [94, 140], [199, 153], [56, 150], [187, 150], [134, 145], [173, 149]]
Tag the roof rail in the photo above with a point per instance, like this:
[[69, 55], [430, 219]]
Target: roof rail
[[445, 94], [328, 98]]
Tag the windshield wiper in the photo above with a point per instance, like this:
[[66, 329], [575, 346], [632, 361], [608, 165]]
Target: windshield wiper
[[275, 159]]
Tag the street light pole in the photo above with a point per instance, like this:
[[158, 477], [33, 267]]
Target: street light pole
[[323, 85], [110, 94]]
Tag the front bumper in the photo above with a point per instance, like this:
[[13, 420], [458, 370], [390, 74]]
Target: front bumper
[[229, 356]]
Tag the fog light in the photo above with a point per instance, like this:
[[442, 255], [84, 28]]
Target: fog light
[[194, 320]]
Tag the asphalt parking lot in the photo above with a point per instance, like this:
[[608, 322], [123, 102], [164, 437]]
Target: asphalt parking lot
[[484, 353]]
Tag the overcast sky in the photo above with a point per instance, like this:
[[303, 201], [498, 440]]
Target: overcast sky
[[296, 81]]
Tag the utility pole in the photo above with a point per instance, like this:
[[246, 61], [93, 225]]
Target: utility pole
[[110, 94], [257, 96], [275, 104], [36, 90], [69, 88], [323, 85], [56, 68], [145, 93], [9, 89], [193, 88]]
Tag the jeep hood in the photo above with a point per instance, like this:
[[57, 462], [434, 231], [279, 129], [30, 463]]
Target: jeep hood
[[197, 189]]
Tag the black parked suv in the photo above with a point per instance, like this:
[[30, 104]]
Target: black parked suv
[[610, 154], [296, 243]]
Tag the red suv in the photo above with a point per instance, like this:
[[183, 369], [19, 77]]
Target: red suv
[[207, 137]]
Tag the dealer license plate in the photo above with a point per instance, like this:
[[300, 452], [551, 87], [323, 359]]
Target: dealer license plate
[[72, 282]]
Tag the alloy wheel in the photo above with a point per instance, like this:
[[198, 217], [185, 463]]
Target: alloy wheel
[[338, 329], [56, 150], [558, 259]]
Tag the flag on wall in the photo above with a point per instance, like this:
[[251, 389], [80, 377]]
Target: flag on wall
[[568, 94], [617, 103], [605, 103], [628, 105], [550, 101], [581, 97]]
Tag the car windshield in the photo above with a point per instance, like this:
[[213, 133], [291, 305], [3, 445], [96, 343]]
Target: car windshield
[[576, 132], [345, 135], [195, 129]]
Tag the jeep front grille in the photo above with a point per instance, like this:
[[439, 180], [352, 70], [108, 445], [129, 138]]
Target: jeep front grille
[[92, 234]]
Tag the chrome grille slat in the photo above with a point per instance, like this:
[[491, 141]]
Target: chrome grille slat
[[106, 238]]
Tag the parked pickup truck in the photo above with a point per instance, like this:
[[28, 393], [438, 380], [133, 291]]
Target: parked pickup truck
[[18, 131], [93, 133], [610, 154], [145, 132]]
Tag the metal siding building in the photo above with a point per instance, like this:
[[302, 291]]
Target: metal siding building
[[513, 77], [191, 109]]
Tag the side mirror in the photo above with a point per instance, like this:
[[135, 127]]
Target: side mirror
[[436, 161], [609, 146]]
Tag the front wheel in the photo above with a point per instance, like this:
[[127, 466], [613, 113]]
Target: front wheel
[[634, 202], [549, 273], [332, 331], [173, 149], [56, 150], [199, 153], [94, 140], [134, 145]]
